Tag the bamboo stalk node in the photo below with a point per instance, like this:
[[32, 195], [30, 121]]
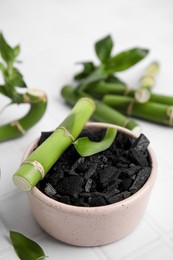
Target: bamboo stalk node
[[127, 91], [66, 132], [38, 165], [130, 107], [170, 115], [18, 126]]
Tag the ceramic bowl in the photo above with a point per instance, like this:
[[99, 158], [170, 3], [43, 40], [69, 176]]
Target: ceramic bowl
[[95, 226]]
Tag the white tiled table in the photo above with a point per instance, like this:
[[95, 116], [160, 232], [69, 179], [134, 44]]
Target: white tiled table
[[54, 35]]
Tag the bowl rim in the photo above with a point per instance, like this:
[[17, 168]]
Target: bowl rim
[[42, 198]]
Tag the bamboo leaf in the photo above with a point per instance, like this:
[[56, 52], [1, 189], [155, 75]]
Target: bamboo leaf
[[85, 147], [88, 67], [103, 48], [25, 248], [16, 79], [126, 59], [6, 51]]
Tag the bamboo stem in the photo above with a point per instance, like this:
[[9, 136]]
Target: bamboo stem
[[146, 84], [41, 160], [38, 101], [151, 111], [103, 112]]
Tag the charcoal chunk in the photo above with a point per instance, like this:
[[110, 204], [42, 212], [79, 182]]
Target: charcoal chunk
[[88, 185], [107, 174], [97, 201], [126, 183], [65, 199], [141, 178], [119, 197], [90, 171], [139, 157], [141, 143], [71, 185], [50, 190]]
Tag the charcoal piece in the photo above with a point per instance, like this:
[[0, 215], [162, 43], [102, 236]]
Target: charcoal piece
[[126, 194], [119, 197], [71, 185], [50, 190], [92, 194], [90, 171], [133, 169], [125, 160], [116, 198], [97, 201], [54, 178], [141, 143], [122, 165], [141, 178], [88, 185], [107, 174], [139, 157], [65, 199], [126, 184], [111, 193], [78, 162]]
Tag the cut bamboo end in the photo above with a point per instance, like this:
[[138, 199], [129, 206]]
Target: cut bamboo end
[[142, 95], [21, 183], [34, 95]]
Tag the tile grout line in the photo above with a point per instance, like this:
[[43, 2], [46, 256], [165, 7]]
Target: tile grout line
[[164, 236]]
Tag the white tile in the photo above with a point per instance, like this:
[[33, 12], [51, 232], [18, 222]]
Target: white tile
[[160, 205], [141, 236], [16, 214], [9, 163], [159, 252], [57, 250]]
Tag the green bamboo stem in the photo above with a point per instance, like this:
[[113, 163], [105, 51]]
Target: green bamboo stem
[[146, 84], [151, 111], [38, 102], [99, 89], [103, 112], [34, 168]]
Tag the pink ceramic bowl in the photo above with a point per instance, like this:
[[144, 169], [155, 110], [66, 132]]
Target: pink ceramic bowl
[[93, 226]]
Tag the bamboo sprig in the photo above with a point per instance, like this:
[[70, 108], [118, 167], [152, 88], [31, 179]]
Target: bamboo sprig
[[12, 81], [151, 111], [102, 113], [146, 84], [38, 103], [34, 168], [108, 64]]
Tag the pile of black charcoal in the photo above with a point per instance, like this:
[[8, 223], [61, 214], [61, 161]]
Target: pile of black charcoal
[[101, 179]]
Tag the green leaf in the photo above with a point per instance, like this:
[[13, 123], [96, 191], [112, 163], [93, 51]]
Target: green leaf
[[16, 79], [88, 68], [103, 48], [25, 248], [5, 50], [96, 75], [126, 59], [85, 147], [16, 50], [2, 68]]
